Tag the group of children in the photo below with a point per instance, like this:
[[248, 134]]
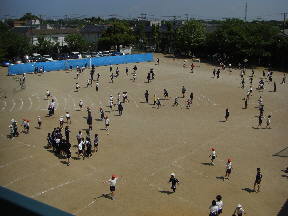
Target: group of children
[[61, 146]]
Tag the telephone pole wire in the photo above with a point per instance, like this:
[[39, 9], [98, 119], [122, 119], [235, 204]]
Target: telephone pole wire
[[284, 20]]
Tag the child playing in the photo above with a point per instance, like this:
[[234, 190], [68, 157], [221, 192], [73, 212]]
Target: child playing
[[173, 181], [213, 156]]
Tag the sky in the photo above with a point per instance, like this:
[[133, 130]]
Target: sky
[[155, 9]]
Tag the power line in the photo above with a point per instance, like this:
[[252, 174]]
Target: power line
[[284, 20]]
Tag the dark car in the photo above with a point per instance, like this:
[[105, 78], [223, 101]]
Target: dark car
[[116, 53], [6, 63]]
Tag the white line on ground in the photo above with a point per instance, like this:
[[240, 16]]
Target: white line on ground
[[15, 161], [21, 106], [29, 175], [85, 207], [53, 188], [65, 103], [12, 105], [5, 105], [31, 103], [63, 184]]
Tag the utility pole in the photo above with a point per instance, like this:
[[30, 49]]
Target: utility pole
[[246, 11], [187, 16], [284, 20]]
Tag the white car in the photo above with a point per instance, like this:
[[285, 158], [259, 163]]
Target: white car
[[48, 58]]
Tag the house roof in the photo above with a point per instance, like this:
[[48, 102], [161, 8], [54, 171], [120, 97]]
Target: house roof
[[33, 31], [94, 28], [54, 31]]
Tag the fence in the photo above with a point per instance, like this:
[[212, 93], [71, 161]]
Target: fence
[[66, 64]]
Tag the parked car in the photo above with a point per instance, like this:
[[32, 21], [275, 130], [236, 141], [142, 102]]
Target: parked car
[[117, 54], [6, 63], [106, 53], [17, 60], [48, 58], [39, 59], [86, 55], [95, 54], [76, 55]]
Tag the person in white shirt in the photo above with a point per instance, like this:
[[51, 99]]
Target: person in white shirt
[[39, 121], [219, 203], [239, 211], [81, 104], [107, 123], [118, 98], [213, 156], [228, 169], [97, 86], [268, 122], [68, 118], [61, 121], [260, 101], [213, 209], [48, 94], [111, 102], [53, 105], [125, 96], [77, 87], [112, 182], [134, 76], [80, 148], [79, 137]]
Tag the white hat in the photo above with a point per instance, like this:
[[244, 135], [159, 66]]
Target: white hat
[[239, 206], [173, 174]]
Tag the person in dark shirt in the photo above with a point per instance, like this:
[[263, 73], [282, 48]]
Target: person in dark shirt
[[67, 133], [227, 114], [146, 96], [258, 180], [183, 91], [173, 181]]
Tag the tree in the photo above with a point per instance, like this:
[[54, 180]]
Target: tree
[[29, 16], [75, 42], [190, 37], [155, 36], [239, 40], [119, 33], [140, 36], [44, 46], [12, 45]]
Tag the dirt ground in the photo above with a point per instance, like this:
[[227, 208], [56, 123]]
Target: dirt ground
[[146, 144]]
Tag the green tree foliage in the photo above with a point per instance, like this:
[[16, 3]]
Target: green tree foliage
[[12, 44], [44, 46], [29, 16], [156, 36], [190, 37], [140, 36], [239, 40], [75, 42], [119, 33]]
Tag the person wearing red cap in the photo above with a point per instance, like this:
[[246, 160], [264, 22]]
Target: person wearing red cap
[[213, 156], [228, 169], [112, 182]]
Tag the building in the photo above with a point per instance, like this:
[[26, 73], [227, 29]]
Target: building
[[52, 35], [92, 33]]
